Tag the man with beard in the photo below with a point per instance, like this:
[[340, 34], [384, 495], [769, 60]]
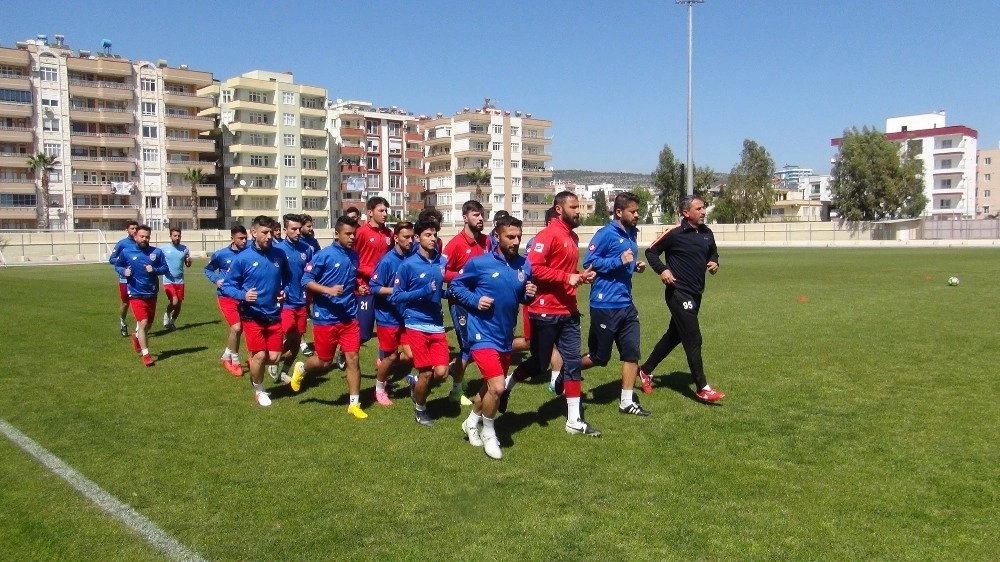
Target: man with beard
[[371, 241], [127, 241], [469, 243], [690, 249], [257, 278], [331, 276], [295, 309], [308, 236], [613, 317], [215, 271], [178, 257], [388, 317], [492, 287], [140, 265], [554, 315]]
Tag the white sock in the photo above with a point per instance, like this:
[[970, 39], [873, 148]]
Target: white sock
[[353, 400], [488, 430], [259, 387], [235, 358], [303, 346], [573, 410], [555, 375], [627, 398], [473, 419], [145, 351], [122, 322], [226, 354], [707, 387], [509, 382], [379, 386]]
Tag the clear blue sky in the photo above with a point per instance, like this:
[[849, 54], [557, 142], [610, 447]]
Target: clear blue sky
[[610, 75]]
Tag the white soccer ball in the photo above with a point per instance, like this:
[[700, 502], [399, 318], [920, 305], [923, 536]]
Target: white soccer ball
[[953, 281]]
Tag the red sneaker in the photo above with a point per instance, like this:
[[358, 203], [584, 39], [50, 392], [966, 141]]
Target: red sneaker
[[709, 395], [647, 382], [135, 344], [235, 368], [148, 360]]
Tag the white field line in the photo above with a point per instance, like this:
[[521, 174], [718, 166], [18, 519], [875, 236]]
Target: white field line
[[132, 519]]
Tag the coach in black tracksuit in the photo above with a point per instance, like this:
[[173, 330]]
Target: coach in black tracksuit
[[690, 249]]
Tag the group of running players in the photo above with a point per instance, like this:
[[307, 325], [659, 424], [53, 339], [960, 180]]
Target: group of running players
[[388, 284]]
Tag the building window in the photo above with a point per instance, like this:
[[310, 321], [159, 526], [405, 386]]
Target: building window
[[497, 146], [515, 147], [373, 181], [288, 98], [497, 129], [53, 149], [152, 202], [290, 160], [515, 163], [946, 143], [986, 193], [290, 182], [498, 197], [515, 131], [945, 164], [149, 108], [262, 182], [50, 102], [394, 128], [372, 162], [148, 84], [15, 96], [515, 198], [515, 182], [372, 145], [479, 146], [257, 97], [310, 183], [258, 160], [227, 96], [291, 203], [986, 177], [310, 163], [48, 73], [989, 160], [289, 140], [946, 184], [150, 155], [149, 131], [945, 204], [50, 124], [986, 209], [260, 203], [288, 118], [395, 164], [498, 163], [371, 127], [257, 117]]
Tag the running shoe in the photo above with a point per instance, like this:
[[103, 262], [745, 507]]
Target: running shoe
[[647, 382], [491, 445], [383, 399], [298, 373], [261, 398], [148, 360], [423, 418], [356, 411], [709, 395], [473, 434], [580, 427]]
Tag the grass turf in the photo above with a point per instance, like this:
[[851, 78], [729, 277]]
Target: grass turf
[[859, 424]]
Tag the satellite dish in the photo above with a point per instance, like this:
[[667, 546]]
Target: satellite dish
[[243, 183]]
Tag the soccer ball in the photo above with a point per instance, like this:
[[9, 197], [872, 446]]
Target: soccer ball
[[953, 281]]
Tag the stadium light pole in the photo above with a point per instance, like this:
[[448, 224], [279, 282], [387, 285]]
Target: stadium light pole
[[690, 128]]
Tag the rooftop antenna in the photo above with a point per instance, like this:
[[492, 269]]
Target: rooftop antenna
[[106, 46]]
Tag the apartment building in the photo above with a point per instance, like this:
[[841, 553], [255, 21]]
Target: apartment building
[[275, 146], [123, 133], [789, 175], [510, 146], [376, 153], [988, 183]]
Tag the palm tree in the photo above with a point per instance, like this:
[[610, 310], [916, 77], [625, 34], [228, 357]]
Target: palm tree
[[44, 163], [195, 176], [480, 177]]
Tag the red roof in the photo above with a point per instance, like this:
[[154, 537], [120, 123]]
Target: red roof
[[923, 133]]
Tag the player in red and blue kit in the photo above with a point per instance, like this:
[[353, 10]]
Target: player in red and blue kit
[[295, 307], [178, 257], [469, 243], [492, 287], [388, 317], [614, 319], [257, 278], [215, 271], [417, 291], [141, 265], [372, 240], [128, 241], [331, 276]]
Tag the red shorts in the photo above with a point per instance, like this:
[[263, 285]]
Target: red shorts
[[123, 291], [527, 325], [326, 338], [142, 309], [174, 291], [293, 320], [262, 337], [429, 350], [491, 362], [389, 338], [230, 310]]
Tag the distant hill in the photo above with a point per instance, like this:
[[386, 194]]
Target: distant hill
[[621, 180]]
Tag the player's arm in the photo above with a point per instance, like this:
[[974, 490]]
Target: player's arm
[[187, 258], [161, 267], [463, 286], [599, 259], [451, 268], [233, 282], [526, 296], [115, 252], [382, 275], [212, 269], [121, 264], [658, 247], [538, 260], [713, 257], [403, 280]]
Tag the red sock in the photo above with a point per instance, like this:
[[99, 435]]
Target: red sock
[[571, 389]]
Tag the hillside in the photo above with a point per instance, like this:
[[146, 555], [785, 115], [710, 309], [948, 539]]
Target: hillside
[[621, 180]]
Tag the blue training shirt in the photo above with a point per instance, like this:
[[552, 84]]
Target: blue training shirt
[[612, 287], [219, 264], [333, 265], [492, 275], [298, 254], [265, 271], [119, 246], [141, 284], [175, 256], [413, 293], [386, 313]]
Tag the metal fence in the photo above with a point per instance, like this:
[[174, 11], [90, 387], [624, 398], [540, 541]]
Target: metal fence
[[977, 229]]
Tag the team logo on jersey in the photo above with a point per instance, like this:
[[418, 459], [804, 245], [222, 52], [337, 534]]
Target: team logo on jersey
[[621, 240], [395, 281], [336, 265], [152, 257], [422, 275], [565, 244], [442, 270], [277, 263], [374, 276], [520, 276], [309, 266], [495, 274], [462, 320], [539, 247], [469, 251], [303, 256], [592, 247], [254, 264], [227, 261], [604, 326], [388, 241], [372, 239]]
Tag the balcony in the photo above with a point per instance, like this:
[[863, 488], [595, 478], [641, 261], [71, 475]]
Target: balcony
[[960, 190], [17, 212], [472, 153], [307, 173], [194, 78], [482, 133], [243, 148], [412, 137], [352, 150], [439, 141], [204, 190], [246, 105], [190, 145], [314, 152], [18, 185], [535, 172], [438, 156], [105, 211], [16, 134], [247, 127], [413, 154], [14, 159], [12, 82], [351, 132], [106, 115], [186, 99], [14, 109], [81, 187], [312, 111], [413, 172], [15, 57], [180, 167], [194, 122], [104, 163], [536, 155], [535, 138], [438, 172], [352, 169], [101, 66], [254, 170], [116, 91], [107, 140], [948, 171]]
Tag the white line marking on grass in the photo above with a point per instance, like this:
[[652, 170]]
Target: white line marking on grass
[[132, 519]]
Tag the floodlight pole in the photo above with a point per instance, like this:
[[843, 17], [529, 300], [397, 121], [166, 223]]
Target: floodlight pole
[[690, 127]]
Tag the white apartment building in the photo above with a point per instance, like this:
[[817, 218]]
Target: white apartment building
[[123, 134], [375, 153], [988, 183], [275, 146], [510, 145], [788, 176]]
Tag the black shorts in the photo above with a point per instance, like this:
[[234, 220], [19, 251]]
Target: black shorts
[[617, 326]]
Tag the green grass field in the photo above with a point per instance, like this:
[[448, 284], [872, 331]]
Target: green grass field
[[860, 424]]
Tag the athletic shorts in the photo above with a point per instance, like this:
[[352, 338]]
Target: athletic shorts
[[460, 320], [142, 308], [429, 350], [491, 363], [366, 316], [230, 310], [389, 338], [614, 326], [262, 337], [123, 291], [326, 338], [174, 290], [293, 320]]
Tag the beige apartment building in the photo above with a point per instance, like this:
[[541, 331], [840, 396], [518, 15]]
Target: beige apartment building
[[275, 146], [124, 133], [376, 153], [988, 183], [510, 146]]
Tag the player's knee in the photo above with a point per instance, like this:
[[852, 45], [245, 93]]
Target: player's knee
[[236, 328], [440, 373], [599, 360], [273, 356]]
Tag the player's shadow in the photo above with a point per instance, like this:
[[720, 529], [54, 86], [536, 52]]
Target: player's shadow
[[309, 383], [162, 332], [514, 421], [183, 351]]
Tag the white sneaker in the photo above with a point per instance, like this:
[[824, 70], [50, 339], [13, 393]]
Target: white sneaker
[[273, 371], [166, 320], [492, 447], [473, 434], [285, 379], [262, 398]]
